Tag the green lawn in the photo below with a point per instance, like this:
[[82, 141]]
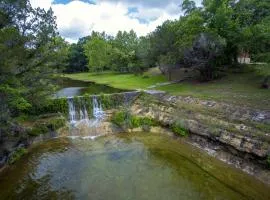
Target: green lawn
[[236, 88], [122, 81]]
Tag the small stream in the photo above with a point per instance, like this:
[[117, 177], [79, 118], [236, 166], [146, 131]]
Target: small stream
[[69, 88]]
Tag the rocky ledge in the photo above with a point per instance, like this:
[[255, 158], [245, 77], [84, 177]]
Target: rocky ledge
[[236, 135]]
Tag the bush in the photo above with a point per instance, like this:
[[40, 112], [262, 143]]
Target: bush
[[206, 56], [125, 120], [16, 155], [268, 161], [179, 129], [38, 130], [47, 126], [121, 118], [52, 106], [262, 57], [56, 123]]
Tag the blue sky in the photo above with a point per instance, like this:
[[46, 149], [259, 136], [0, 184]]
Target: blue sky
[[77, 18], [68, 1]]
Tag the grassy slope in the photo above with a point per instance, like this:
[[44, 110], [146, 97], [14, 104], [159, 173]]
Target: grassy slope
[[236, 88], [122, 81], [232, 89]]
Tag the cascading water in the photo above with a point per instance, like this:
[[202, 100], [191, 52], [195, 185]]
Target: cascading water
[[72, 111], [81, 115], [88, 125], [81, 125], [97, 109]]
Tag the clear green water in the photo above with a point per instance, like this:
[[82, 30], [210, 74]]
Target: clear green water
[[71, 87], [141, 166]]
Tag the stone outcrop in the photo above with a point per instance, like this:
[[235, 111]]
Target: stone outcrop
[[236, 135], [220, 122]]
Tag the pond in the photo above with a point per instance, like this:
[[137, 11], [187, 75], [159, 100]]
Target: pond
[[69, 87], [130, 166]]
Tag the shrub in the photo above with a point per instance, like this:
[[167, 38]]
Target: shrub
[[268, 161], [44, 127], [56, 123], [135, 122], [206, 56], [179, 129], [51, 106], [16, 155], [126, 120], [121, 118], [38, 130]]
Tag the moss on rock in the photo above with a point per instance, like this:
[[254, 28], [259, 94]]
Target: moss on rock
[[16, 155]]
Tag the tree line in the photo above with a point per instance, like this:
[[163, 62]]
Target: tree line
[[31, 56], [206, 38]]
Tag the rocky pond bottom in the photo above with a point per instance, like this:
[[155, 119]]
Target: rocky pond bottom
[[128, 166]]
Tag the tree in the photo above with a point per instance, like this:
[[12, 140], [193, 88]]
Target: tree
[[28, 66], [97, 50], [188, 6], [124, 48], [206, 55], [77, 60]]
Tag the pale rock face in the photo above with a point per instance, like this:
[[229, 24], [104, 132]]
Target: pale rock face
[[238, 138]]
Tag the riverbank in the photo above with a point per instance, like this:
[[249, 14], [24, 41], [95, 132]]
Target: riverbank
[[121, 81], [120, 166], [234, 134], [239, 86], [237, 135]]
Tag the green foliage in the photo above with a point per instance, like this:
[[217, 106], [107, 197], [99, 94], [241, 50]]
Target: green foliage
[[97, 50], [179, 128], [77, 60], [31, 53], [243, 26], [38, 130], [268, 161], [59, 105], [262, 57], [16, 155], [206, 56], [56, 123], [46, 126], [125, 120], [120, 118], [112, 101], [142, 122]]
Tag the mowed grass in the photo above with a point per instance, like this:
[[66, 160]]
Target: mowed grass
[[121, 81], [242, 88]]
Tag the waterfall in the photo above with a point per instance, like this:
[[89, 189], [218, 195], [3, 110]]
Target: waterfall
[[97, 109], [72, 111], [79, 115], [84, 124]]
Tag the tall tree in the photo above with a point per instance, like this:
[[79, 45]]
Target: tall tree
[[77, 60], [97, 50], [28, 46]]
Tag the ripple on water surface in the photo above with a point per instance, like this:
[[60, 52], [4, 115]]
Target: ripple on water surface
[[141, 166]]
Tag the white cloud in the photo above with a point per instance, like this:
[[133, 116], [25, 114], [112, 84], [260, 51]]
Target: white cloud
[[77, 19], [41, 3]]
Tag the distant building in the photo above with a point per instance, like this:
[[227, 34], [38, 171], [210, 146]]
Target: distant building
[[244, 58]]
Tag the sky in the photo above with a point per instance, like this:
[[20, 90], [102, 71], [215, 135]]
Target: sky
[[78, 18]]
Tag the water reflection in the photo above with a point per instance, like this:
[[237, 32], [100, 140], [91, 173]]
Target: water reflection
[[141, 166], [71, 87]]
